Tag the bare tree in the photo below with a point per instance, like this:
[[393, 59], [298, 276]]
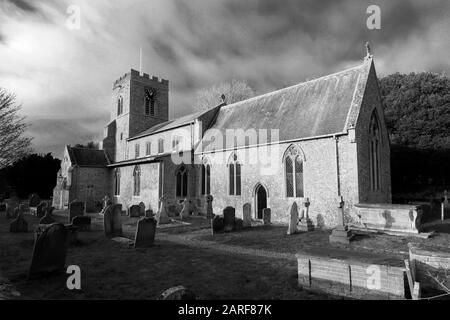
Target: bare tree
[[234, 91], [13, 144]]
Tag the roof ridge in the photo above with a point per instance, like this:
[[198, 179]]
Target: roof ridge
[[296, 85]]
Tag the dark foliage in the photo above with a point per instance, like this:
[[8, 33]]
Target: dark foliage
[[32, 174], [417, 110]]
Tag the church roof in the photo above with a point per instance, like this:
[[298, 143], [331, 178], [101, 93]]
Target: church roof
[[324, 106], [85, 157]]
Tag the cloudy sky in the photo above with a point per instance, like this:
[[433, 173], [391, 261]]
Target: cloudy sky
[[63, 76]]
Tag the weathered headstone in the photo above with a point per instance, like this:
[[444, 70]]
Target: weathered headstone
[[83, 223], [185, 212], [19, 224], [50, 250], [208, 206], [267, 213], [134, 211], [247, 215], [341, 234], [34, 200], [112, 222], [149, 213], [142, 209], [229, 216], [293, 219], [217, 224], [306, 224], [177, 293], [40, 209], [162, 216], [145, 233], [76, 209]]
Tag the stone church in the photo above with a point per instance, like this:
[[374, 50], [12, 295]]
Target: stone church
[[313, 142]]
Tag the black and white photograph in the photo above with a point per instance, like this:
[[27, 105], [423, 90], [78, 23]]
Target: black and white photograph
[[226, 154]]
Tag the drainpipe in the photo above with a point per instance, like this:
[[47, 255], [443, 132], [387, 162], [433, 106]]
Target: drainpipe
[[336, 139]]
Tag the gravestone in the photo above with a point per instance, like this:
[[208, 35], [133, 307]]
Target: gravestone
[[76, 209], [247, 215], [238, 224], [90, 206], [47, 218], [149, 213], [145, 233], [293, 219], [306, 224], [50, 250], [10, 211], [83, 223], [229, 216], [162, 216], [185, 212], [208, 207], [19, 224], [141, 209], [49, 211], [34, 200], [217, 224], [341, 234], [267, 213], [40, 209], [112, 222], [134, 211], [177, 293]]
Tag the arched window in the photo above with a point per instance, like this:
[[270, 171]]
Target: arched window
[[206, 178], [149, 102], [293, 165], [117, 182], [160, 145], [181, 182], [374, 152], [137, 180], [234, 180], [119, 105]]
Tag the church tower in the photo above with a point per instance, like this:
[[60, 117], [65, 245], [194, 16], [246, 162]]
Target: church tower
[[138, 103]]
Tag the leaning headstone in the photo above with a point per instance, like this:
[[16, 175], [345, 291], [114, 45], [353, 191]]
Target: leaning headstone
[[293, 219], [229, 216], [47, 218], [50, 250], [145, 233], [208, 206], [217, 224], [83, 223], [76, 209], [185, 212], [19, 224], [142, 209], [134, 211], [267, 213], [112, 222], [177, 293], [34, 200], [247, 215], [40, 209], [162, 216]]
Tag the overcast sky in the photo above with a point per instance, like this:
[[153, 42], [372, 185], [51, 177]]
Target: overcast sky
[[63, 77]]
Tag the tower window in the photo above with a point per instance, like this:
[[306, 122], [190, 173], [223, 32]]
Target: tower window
[[117, 182], [175, 143], [148, 148], [160, 145], [119, 105], [149, 102], [136, 150], [137, 180]]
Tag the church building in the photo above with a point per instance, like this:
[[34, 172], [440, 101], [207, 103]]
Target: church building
[[311, 143]]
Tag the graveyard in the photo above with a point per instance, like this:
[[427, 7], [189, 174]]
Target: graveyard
[[128, 255]]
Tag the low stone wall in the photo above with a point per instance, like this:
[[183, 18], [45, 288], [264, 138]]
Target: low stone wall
[[391, 217], [434, 260], [350, 278]]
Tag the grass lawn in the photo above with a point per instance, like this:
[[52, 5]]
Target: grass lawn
[[112, 271]]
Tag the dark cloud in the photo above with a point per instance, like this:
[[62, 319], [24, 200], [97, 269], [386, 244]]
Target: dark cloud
[[24, 5]]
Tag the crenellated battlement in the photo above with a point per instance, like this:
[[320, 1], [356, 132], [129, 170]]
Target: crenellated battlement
[[134, 74]]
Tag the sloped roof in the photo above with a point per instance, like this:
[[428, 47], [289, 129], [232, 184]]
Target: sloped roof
[[87, 157], [323, 106]]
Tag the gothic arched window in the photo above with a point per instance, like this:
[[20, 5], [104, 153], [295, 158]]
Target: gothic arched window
[[181, 182], [119, 105], [149, 102], [137, 180], [234, 180], [206, 178], [117, 182], [160, 145], [374, 152], [293, 165]]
